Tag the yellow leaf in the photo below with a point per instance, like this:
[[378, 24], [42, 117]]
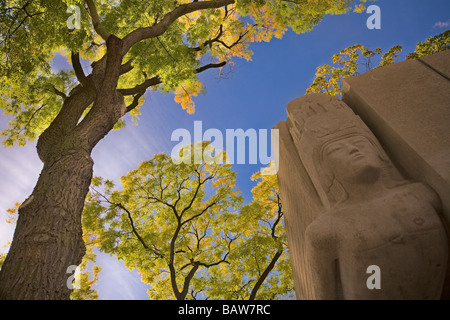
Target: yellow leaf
[[359, 8], [184, 94]]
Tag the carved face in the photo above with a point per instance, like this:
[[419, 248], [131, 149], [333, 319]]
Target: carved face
[[353, 159]]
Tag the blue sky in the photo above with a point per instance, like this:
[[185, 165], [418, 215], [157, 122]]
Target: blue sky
[[254, 95]]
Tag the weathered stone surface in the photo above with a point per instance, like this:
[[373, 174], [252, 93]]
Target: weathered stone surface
[[300, 207], [407, 106], [348, 208], [440, 62]]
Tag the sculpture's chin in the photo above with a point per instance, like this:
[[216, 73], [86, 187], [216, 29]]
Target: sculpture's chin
[[368, 174]]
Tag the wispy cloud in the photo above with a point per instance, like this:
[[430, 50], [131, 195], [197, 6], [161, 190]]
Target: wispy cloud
[[116, 282], [441, 24], [19, 171]]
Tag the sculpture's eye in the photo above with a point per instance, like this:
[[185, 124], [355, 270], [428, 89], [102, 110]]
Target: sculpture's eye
[[330, 149], [359, 142]]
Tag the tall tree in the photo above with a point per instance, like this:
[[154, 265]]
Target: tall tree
[[172, 222], [132, 46], [183, 228]]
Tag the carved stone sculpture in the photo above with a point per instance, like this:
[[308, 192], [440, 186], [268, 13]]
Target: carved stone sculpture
[[371, 215]]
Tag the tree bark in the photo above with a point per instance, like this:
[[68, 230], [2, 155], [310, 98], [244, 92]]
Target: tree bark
[[48, 236]]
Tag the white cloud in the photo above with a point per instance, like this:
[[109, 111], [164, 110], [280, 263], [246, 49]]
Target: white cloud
[[441, 24]]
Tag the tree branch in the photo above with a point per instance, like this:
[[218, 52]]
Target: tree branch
[[165, 203], [210, 65], [75, 58], [180, 187], [195, 266], [172, 270], [126, 67], [8, 34], [200, 183], [199, 214], [98, 27], [157, 80], [155, 250], [210, 41], [275, 258], [279, 215], [187, 281], [224, 259], [209, 265], [32, 116], [218, 40], [141, 87], [131, 223], [58, 92], [160, 27], [135, 101], [73, 107], [264, 275], [173, 281]]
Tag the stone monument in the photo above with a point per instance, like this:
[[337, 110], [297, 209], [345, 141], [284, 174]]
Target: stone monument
[[348, 209], [407, 106]]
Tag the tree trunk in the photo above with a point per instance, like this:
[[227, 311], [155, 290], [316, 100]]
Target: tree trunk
[[48, 236]]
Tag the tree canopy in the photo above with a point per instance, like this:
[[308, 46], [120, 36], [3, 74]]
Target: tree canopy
[[183, 227], [166, 44], [357, 58]]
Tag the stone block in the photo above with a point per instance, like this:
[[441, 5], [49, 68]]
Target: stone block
[[440, 62], [300, 208], [407, 106], [348, 209]]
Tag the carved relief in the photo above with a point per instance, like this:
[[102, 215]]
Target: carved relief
[[371, 214]]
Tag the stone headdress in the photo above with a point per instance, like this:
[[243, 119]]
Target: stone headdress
[[316, 120]]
